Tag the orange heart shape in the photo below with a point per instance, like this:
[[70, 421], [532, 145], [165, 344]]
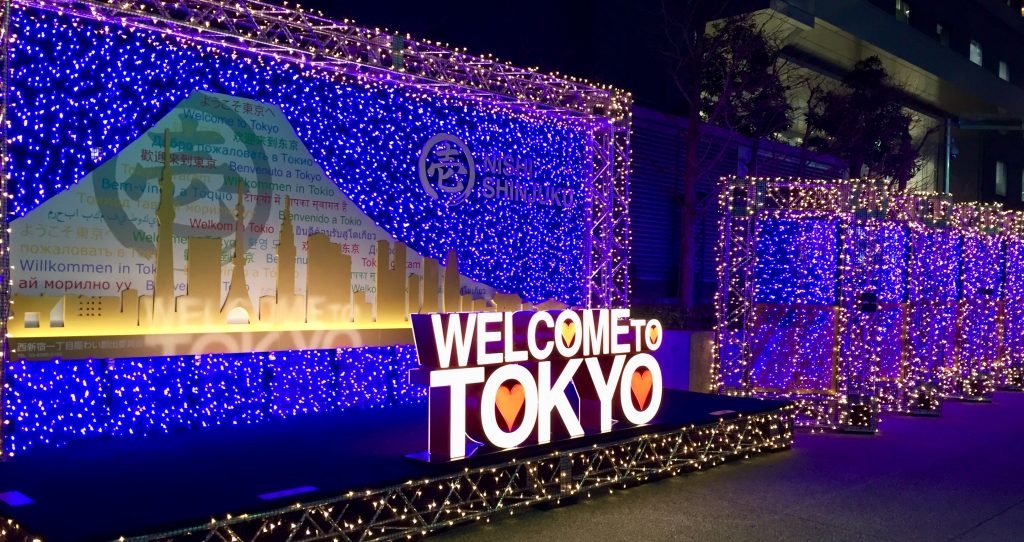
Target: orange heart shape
[[568, 332], [641, 383], [653, 334], [509, 402]]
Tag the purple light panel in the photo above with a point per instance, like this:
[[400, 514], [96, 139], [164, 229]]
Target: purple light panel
[[933, 293], [79, 86], [1013, 334], [979, 334], [874, 285], [57, 402], [797, 261], [793, 349], [796, 280]]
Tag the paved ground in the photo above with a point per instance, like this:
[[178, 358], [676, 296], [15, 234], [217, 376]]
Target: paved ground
[[958, 477]]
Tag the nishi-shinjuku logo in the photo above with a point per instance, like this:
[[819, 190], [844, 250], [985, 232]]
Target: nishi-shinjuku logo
[[445, 162]]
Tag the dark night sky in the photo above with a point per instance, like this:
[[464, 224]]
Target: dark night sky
[[618, 42]]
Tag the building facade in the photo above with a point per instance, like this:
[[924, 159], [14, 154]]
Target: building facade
[[957, 60]]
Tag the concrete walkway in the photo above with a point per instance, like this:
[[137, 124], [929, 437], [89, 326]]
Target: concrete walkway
[[957, 477]]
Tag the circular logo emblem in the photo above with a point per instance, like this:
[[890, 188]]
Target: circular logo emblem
[[208, 178], [446, 169]]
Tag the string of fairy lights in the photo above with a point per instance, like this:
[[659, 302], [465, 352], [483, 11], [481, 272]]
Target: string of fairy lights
[[852, 298], [418, 507], [82, 88], [54, 403], [78, 85], [1011, 369]]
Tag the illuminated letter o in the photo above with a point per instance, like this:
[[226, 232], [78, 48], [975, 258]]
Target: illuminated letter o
[[568, 324], [488, 401], [653, 335], [632, 414]]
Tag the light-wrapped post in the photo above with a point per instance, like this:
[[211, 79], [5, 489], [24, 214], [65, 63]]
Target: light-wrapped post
[[778, 308], [1011, 373], [933, 292], [5, 265], [970, 376]]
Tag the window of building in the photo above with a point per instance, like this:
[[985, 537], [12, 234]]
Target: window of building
[[1000, 178], [902, 11], [1004, 70], [975, 52]]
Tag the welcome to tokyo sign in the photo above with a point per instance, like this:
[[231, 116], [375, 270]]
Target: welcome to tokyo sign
[[513, 379]]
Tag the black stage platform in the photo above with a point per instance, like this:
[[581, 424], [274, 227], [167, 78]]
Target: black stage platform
[[105, 489]]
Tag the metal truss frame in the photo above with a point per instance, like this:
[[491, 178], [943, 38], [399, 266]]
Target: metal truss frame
[[733, 297], [5, 253], [419, 507], [315, 42], [861, 209], [743, 202], [608, 245]]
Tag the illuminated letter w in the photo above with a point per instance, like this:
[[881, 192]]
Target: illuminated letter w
[[453, 340]]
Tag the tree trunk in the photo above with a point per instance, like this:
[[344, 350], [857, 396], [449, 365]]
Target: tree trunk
[[803, 147], [856, 165], [687, 237], [691, 171], [755, 146]]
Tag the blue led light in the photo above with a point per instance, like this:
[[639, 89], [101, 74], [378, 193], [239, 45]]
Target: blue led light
[[56, 402], [797, 261], [81, 90], [936, 265], [892, 280], [1013, 334], [979, 319], [80, 87]]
